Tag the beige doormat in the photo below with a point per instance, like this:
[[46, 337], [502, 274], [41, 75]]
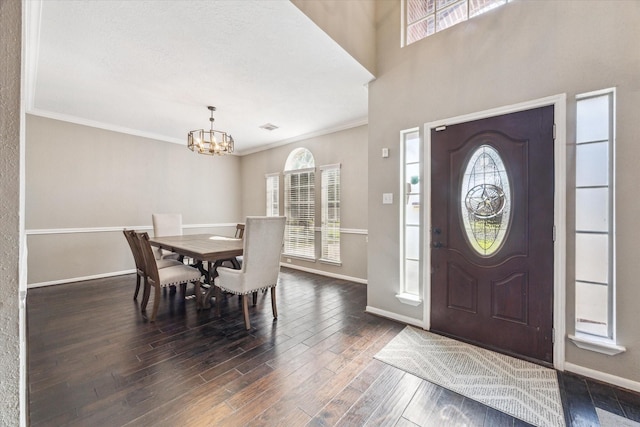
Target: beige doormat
[[519, 388]]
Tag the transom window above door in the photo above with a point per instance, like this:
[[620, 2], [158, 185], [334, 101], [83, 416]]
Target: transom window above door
[[422, 18]]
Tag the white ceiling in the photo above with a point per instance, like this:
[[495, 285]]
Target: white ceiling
[[151, 68]]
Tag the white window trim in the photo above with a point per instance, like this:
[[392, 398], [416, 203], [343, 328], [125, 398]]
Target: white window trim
[[298, 257], [292, 171], [409, 299], [330, 262], [592, 343], [332, 166]]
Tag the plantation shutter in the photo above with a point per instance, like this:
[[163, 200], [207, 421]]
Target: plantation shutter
[[330, 227], [299, 205], [273, 194]]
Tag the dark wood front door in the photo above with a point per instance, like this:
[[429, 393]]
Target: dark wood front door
[[492, 232]]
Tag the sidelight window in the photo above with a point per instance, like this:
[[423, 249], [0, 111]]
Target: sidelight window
[[411, 217], [595, 216]]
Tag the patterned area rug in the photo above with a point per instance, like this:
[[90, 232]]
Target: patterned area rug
[[522, 389]]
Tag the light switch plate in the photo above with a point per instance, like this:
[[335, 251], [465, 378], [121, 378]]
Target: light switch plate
[[385, 152], [387, 198]]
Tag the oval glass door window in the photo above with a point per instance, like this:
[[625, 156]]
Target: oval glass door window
[[485, 198]]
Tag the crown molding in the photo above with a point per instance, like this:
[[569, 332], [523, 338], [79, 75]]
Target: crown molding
[[102, 125], [149, 135], [287, 141]]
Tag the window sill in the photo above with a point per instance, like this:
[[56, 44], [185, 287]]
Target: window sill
[[298, 257], [409, 299], [330, 262], [598, 345]]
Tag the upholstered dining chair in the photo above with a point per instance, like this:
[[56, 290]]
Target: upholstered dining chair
[[134, 245], [166, 224], [162, 277], [262, 247]]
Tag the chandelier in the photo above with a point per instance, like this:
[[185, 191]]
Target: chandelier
[[210, 141]]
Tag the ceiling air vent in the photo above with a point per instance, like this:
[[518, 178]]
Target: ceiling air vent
[[269, 126]]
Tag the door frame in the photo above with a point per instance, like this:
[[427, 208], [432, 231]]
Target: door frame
[[559, 210]]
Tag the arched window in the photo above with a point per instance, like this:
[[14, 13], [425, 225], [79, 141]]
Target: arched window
[[299, 204], [300, 158]]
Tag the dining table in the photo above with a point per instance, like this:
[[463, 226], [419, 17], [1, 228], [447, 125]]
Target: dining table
[[211, 249]]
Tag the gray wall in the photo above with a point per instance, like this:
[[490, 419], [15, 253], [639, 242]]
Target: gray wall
[[350, 23], [522, 51], [10, 117], [347, 147], [83, 178]]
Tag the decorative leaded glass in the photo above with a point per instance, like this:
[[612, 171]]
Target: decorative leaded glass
[[485, 198], [423, 18], [300, 158]]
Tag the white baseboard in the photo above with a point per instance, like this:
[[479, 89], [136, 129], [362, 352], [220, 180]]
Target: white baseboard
[[79, 279], [325, 273], [394, 316], [603, 376]]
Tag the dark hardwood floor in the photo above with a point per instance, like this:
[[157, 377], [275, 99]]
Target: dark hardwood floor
[[95, 361]]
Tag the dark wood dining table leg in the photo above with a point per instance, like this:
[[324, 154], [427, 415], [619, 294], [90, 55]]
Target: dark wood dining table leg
[[198, 293], [200, 266], [210, 276], [206, 298]]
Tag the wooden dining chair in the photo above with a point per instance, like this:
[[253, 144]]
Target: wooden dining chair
[[235, 262], [134, 245], [162, 277], [261, 266], [239, 231]]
